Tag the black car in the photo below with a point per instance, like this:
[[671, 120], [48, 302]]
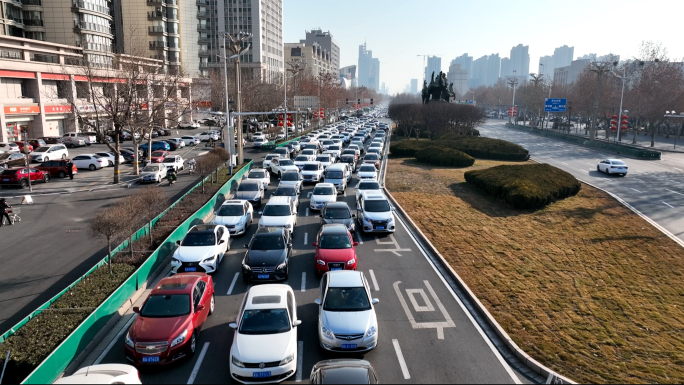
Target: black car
[[129, 156], [268, 255], [52, 140], [9, 159], [163, 132], [173, 144], [343, 371]]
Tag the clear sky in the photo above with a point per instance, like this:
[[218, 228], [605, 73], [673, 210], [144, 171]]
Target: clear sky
[[398, 30]]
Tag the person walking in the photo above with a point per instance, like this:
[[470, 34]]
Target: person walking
[[3, 212], [70, 169]]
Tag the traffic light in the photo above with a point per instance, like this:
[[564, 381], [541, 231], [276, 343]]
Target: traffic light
[[347, 101], [371, 102], [358, 101]]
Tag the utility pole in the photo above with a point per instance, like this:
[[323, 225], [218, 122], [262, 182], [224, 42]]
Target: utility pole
[[599, 68], [235, 46], [295, 68], [512, 82]]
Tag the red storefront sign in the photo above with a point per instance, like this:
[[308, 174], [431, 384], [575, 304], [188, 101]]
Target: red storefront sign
[[57, 109], [14, 110]]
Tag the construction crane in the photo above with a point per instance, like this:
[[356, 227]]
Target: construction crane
[[425, 62]]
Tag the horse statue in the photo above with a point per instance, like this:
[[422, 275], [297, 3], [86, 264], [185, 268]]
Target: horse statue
[[425, 94]]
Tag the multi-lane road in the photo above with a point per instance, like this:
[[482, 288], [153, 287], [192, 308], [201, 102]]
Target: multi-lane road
[[425, 333], [654, 187]]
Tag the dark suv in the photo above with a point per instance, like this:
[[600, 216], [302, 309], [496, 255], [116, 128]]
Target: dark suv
[[268, 255]]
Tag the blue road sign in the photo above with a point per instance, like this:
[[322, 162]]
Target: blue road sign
[[555, 105]]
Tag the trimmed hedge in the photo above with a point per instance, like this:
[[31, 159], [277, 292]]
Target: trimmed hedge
[[408, 148], [455, 136], [529, 186], [444, 156], [476, 146]]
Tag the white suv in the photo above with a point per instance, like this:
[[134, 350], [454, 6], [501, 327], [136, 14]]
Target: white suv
[[45, 153], [201, 250], [374, 213], [280, 211]]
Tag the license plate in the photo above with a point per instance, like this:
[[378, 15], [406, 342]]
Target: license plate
[[150, 359], [190, 269], [6, 180], [263, 276], [348, 346], [379, 227], [261, 374], [335, 268], [319, 206]]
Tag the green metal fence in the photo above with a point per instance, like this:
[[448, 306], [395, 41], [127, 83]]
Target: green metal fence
[[77, 341]]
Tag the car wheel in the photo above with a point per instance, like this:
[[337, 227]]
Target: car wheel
[[212, 305], [87, 144], [92, 167], [193, 344], [63, 156], [598, 168], [23, 183], [46, 178], [71, 145], [62, 174], [46, 159]]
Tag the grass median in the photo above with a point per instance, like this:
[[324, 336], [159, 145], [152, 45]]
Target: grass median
[[584, 285]]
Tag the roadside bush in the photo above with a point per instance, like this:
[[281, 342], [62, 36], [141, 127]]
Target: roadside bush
[[487, 148], [457, 136], [529, 186], [444, 156], [408, 148]]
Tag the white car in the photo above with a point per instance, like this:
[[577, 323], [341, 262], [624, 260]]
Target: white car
[[346, 313], [190, 140], [326, 160], [153, 173], [311, 153], [312, 171], [301, 159], [189, 125], [207, 136], [355, 148], [282, 166], [322, 194], [267, 161], [180, 143], [265, 341], [335, 153], [103, 374], [236, 215], [367, 171], [374, 213], [110, 158], [201, 250], [175, 161], [258, 142], [291, 178], [367, 185], [89, 161], [612, 166], [10, 147], [261, 175], [280, 211], [51, 151]]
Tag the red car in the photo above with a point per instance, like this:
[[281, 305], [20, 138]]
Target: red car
[[57, 168], [20, 177], [21, 146], [334, 249], [158, 156], [169, 322]]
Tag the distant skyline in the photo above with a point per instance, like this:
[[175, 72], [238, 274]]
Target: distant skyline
[[399, 30]]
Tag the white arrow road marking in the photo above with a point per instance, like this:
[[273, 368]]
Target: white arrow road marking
[[448, 323], [392, 241], [306, 238], [402, 362], [634, 189], [196, 369]]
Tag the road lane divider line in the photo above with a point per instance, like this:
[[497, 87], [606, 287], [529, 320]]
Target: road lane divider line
[[668, 205], [303, 289], [402, 362], [232, 284], [375, 282], [358, 237], [307, 211], [678, 169], [300, 360], [634, 189], [306, 238], [195, 370], [674, 192], [308, 195], [565, 163], [115, 340]]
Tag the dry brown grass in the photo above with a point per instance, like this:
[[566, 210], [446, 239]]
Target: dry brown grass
[[584, 285]]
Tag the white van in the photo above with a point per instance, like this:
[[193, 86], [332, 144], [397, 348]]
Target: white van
[[338, 174]]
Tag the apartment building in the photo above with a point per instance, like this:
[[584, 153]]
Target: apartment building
[[317, 60]]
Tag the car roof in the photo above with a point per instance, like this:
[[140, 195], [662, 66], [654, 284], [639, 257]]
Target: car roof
[[334, 228], [267, 290], [199, 228], [322, 184], [269, 230], [613, 160], [233, 202], [279, 200], [177, 284], [345, 278], [250, 181], [257, 169], [316, 163], [373, 195], [336, 166]]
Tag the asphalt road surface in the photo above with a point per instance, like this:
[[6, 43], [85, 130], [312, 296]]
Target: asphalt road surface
[[445, 345], [654, 187]]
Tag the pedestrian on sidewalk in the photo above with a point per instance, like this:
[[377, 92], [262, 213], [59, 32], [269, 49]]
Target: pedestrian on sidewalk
[[3, 212], [70, 169]]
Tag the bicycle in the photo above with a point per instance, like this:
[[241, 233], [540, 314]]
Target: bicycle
[[12, 212]]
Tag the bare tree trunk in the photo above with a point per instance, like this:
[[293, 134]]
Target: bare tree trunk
[[636, 128], [652, 134]]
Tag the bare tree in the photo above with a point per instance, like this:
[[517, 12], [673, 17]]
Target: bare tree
[[205, 166], [152, 201], [108, 223]]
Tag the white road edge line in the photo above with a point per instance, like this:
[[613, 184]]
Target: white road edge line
[[300, 360], [678, 169], [565, 163], [634, 189], [196, 369], [666, 204], [303, 281], [400, 357], [115, 340], [375, 282], [232, 284]]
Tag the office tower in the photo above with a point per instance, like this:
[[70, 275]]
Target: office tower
[[459, 77], [327, 43], [414, 86], [506, 69], [520, 62], [546, 66], [369, 69], [317, 61], [465, 61], [348, 73], [562, 56], [434, 65]]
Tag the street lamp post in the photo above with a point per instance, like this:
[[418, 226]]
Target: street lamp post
[[236, 47], [599, 68], [472, 92], [512, 82]]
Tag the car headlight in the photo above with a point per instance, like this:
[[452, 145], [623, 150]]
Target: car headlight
[[287, 359], [258, 198], [242, 221], [370, 332], [237, 362], [210, 259], [246, 267], [129, 341], [174, 260], [327, 333], [180, 339], [351, 261], [320, 262], [366, 220], [288, 226], [281, 266], [261, 224]]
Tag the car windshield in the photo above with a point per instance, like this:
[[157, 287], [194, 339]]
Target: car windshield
[[286, 162], [41, 149], [618, 163], [151, 169], [265, 321], [323, 190], [337, 213], [285, 192], [323, 159], [8, 172], [169, 159], [376, 206], [334, 148], [277, 210], [157, 154], [310, 167], [371, 157], [163, 306], [248, 187], [5, 156], [347, 159], [256, 175], [346, 299], [302, 158], [369, 186], [334, 175], [269, 157], [268, 242], [230, 211], [290, 177], [199, 238], [367, 168], [349, 152], [308, 152]]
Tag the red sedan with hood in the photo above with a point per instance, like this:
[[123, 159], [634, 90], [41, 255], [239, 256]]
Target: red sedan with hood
[[158, 156], [334, 249], [169, 322]]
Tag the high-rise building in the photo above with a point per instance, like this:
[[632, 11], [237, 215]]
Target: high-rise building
[[594, 57], [478, 76], [568, 74], [506, 69], [459, 77], [562, 56], [434, 66], [348, 76], [326, 41], [493, 69], [316, 59], [520, 62], [546, 66], [407, 89], [369, 69], [465, 61], [414, 86]]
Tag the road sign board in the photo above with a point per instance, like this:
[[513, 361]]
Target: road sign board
[[555, 105], [306, 101]]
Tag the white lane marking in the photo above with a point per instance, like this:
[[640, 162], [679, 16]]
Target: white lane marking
[[400, 357], [678, 169], [392, 241], [307, 212], [306, 238], [196, 369], [674, 192], [303, 282], [308, 195], [358, 236], [634, 189], [300, 360], [565, 163], [666, 204], [115, 340], [375, 282], [447, 323], [232, 284]]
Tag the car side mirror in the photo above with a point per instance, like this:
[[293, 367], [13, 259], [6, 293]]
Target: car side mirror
[[356, 243], [199, 307], [315, 244], [222, 241], [297, 323], [318, 302], [289, 245], [136, 309], [353, 215], [246, 246], [375, 301], [178, 243], [320, 215], [232, 325], [260, 212]]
